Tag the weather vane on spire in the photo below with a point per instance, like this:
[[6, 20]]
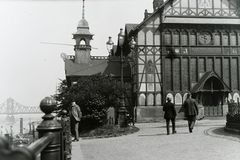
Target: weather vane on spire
[[83, 11]]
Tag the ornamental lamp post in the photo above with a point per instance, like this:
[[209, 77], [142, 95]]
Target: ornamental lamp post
[[122, 110], [110, 46], [122, 121], [132, 43]]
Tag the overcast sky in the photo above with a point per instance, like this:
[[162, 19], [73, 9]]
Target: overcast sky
[[29, 69]]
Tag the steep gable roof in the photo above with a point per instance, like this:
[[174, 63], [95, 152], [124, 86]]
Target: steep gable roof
[[173, 11], [199, 86], [203, 8], [202, 12], [156, 13]]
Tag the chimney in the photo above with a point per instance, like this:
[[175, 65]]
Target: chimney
[[157, 4], [145, 14]]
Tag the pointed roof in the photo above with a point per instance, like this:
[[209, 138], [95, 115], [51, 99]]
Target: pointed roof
[[199, 86], [170, 10], [83, 26], [150, 17]]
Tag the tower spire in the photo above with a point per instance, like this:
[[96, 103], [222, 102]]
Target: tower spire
[[83, 16]]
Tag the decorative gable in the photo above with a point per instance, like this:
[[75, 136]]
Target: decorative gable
[[203, 8]]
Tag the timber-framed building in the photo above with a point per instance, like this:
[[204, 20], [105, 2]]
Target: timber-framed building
[[183, 46]]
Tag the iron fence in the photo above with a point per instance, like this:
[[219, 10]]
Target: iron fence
[[54, 138]]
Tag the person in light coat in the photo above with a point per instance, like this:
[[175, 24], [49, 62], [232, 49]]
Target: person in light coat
[[76, 115]]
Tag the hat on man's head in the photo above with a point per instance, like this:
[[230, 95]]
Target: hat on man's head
[[169, 99]]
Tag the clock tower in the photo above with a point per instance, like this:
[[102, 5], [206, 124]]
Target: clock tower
[[82, 38]]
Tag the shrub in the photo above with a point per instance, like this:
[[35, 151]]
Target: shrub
[[94, 94], [233, 118]]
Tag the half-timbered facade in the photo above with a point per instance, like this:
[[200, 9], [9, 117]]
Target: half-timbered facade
[[183, 46], [187, 46]]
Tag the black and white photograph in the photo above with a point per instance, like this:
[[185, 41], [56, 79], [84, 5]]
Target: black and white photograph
[[119, 79]]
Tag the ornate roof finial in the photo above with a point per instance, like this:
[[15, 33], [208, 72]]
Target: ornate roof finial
[[83, 11]]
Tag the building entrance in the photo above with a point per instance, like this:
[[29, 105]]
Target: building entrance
[[210, 93], [212, 102]]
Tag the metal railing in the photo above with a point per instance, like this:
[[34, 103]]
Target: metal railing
[[233, 108], [54, 139]]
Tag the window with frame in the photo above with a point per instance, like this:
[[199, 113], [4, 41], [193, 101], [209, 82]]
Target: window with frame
[[184, 38], [193, 38], [168, 38], [238, 39], [217, 39], [225, 39], [82, 42], [176, 38], [233, 39]]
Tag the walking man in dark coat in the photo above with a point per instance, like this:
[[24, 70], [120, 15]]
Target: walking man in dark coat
[[191, 111], [170, 114], [76, 115]]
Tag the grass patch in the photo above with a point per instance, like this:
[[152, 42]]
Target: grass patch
[[109, 131]]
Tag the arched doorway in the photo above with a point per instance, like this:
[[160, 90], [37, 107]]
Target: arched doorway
[[211, 92], [212, 97]]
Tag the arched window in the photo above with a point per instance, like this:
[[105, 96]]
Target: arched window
[[150, 100], [238, 39], [229, 97], [176, 38], [168, 38], [225, 39], [193, 38], [184, 38], [82, 42], [170, 96], [236, 97], [141, 38], [217, 39], [157, 38], [185, 97], [149, 38], [142, 99], [233, 39], [159, 99], [178, 99]]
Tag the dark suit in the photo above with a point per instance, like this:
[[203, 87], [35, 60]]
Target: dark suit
[[170, 114], [191, 112]]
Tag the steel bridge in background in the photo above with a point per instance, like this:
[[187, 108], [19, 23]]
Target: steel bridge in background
[[11, 107]]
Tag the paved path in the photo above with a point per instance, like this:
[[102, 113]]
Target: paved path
[[208, 141]]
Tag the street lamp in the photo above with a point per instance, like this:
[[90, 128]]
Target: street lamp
[[121, 37], [110, 46], [132, 43], [122, 109], [132, 55]]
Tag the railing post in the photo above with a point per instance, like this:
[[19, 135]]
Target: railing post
[[21, 126], [67, 137], [50, 125]]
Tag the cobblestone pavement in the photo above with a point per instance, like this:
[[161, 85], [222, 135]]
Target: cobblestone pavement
[[208, 141]]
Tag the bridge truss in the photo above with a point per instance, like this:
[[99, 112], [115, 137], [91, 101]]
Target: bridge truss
[[11, 107]]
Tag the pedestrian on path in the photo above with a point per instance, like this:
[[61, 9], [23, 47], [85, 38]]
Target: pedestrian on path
[[170, 114], [76, 115], [191, 111]]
